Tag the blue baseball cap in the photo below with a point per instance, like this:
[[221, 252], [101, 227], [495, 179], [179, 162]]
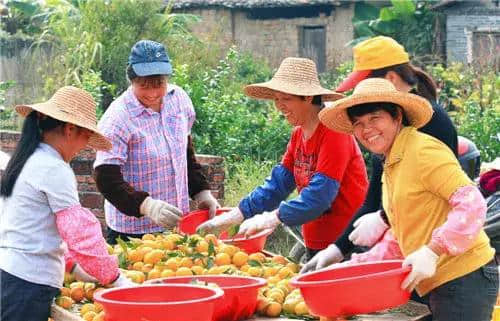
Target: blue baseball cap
[[148, 58]]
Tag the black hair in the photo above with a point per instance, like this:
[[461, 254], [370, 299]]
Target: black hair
[[131, 73], [414, 76], [363, 109], [31, 136], [317, 100]]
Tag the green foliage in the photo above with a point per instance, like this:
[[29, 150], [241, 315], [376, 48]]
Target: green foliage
[[410, 22], [95, 37], [473, 100], [229, 123], [7, 118]]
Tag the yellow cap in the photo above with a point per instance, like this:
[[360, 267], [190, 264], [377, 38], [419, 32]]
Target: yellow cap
[[377, 53]]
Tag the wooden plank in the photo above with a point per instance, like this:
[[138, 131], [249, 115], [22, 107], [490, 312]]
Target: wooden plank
[[412, 311]]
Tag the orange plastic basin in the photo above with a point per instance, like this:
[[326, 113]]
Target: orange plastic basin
[[354, 289], [160, 302], [240, 294]]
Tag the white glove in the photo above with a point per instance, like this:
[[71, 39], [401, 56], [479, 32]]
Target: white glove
[[122, 281], [83, 276], [221, 222], [423, 265], [160, 212], [259, 222], [323, 258], [206, 200], [368, 229]]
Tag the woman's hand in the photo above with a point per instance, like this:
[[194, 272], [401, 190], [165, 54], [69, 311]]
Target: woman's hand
[[257, 223], [206, 200], [423, 265], [160, 212], [221, 222], [324, 258], [368, 229]]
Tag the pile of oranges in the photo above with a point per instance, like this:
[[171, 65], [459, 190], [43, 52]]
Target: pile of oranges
[[171, 254]]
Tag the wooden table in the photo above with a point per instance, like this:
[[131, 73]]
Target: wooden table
[[411, 311]]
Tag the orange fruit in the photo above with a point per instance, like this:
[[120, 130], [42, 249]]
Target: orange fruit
[[198, 270], [87, 307], [222, 259], [77, 294], [186, 262], [148, 236], [273, 309], [279, 259], [64, 302], [240, 258], [172, 264], [183, 271], [257, 257], [211, 238], [65, 291], [202, 246], [166, 273], [89, 316]]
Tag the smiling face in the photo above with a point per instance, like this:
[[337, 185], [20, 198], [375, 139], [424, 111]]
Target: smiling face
[[150, 90], [295, 108], [377, 130]]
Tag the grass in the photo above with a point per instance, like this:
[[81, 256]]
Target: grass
[[243, 177]]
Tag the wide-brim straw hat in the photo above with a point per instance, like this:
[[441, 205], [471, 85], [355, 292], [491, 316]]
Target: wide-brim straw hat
[[418, 110], [295, 76], [72, 105]]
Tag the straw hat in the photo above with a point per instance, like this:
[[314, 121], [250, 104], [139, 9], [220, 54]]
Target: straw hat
[[295, 76], [373, 90], [72, 105]]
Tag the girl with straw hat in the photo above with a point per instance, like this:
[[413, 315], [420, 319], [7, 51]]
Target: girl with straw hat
[[41, 210], [384, 57], [325, 167], [435, 212]]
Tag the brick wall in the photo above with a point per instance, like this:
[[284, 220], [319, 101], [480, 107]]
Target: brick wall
[[213, 168], [275, 39]]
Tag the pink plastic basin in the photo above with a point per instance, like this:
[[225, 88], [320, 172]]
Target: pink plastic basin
[[353, 289], [252, 244], [240, 294], [160, 302]]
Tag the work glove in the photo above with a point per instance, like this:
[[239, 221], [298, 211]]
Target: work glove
[[206, 200], [122, 281], [368, 229], [423, 265], [160, 212], [323, 258], [221, 222], [257, 223], [81, 275]]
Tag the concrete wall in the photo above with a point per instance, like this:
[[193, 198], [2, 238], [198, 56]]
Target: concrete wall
[[462, 20], [275, 39], [213, 168]]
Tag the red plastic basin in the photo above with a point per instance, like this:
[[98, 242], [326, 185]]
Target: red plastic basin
[[353, 289], [240, 294], [252, 244], [160, 302]]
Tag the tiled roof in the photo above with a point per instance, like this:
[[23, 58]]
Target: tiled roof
[[179, 4]]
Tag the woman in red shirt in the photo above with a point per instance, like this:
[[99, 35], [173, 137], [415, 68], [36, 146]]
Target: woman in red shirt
[[325, 167]]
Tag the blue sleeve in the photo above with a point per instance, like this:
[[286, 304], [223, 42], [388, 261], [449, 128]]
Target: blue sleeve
[[312, 201], [268, 196]]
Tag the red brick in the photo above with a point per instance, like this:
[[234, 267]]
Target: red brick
[[91, 200]]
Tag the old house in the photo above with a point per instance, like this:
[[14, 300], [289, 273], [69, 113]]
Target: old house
[[472, 31], [275, 29]]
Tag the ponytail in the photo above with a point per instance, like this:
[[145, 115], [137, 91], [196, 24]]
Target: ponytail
[[31, 136], [414, 76]]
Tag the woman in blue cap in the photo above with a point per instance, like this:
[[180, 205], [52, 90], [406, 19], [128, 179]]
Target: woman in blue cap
[[151, 171]]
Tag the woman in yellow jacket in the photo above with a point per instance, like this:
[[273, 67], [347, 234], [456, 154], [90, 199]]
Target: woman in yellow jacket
[[435, 212]]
